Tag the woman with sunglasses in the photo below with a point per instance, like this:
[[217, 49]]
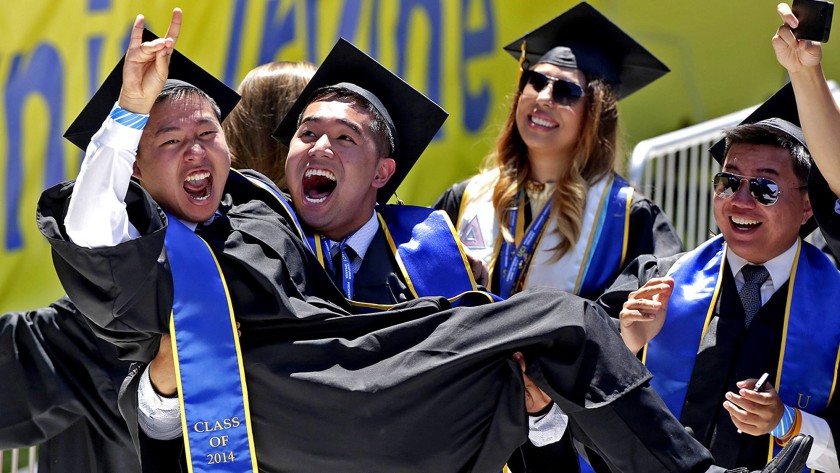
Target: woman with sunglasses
[[548, 209]]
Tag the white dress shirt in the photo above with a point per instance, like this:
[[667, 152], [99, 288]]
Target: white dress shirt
[[96, 216], [360, 240]]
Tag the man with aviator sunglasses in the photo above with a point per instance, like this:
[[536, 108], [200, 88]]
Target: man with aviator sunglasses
[[764, 191], [745, 302], [750, 300]]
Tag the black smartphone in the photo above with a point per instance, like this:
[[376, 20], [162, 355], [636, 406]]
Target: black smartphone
[[814, 19]]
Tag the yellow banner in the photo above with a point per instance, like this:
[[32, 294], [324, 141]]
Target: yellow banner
[[54, 54]]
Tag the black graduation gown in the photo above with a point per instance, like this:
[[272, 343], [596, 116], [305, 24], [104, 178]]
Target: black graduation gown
[[61, 392], [824, 203], [650, 230], [729, 353], [379, 281], [650, 233], [416, 389]]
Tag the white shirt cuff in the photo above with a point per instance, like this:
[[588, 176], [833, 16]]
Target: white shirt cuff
[[823, 456], [117, 133], [547, 429], [158, 416]]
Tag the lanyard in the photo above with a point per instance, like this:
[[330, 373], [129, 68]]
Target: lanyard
[[515, 257], [347, 274]]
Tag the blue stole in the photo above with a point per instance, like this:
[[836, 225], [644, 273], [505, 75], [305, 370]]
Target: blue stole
[[603, 254], [416, 233], [613, 227], [215, 417], [808, 360], [413, 234]]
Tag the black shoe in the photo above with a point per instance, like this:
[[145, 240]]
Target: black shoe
[[791, 459]]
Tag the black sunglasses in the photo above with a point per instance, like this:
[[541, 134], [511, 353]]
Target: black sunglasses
[[563, 92], [764, 191]]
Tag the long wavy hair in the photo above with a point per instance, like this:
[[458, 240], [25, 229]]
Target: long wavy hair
[[268, 92], [594, 158]]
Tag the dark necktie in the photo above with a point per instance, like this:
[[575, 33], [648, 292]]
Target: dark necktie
[[214, 230], [754, 277]]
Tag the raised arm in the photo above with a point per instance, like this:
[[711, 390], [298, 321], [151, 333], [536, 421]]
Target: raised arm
[[96, 216], [819, 114], [109, 246]]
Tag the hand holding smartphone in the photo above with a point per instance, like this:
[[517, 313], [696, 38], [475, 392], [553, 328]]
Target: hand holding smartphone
[[759, 386], [814, 19]]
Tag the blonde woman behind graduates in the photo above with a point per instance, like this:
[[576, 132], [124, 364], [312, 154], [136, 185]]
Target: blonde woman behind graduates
[[268, 91], [548, 208], [556, 152]]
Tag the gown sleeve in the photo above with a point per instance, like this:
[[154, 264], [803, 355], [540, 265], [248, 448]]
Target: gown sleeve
[[651, 232], [825, 205], [124, 290], [56, 373]]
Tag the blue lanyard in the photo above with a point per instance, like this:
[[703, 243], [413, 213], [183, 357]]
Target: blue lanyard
[[346, 265], [514, 257]]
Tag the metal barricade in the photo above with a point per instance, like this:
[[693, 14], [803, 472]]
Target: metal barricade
[[19, 460]]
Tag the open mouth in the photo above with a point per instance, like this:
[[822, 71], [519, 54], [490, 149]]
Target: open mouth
[[198, 185], [541, 122], [744, 224], [318, 184]]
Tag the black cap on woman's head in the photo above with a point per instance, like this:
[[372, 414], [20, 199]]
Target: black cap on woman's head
[[583, 38]]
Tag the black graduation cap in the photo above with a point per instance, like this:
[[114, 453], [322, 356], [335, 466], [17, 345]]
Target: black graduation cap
[[778, 114], [583, 38], [415, 118], [90, 119]]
